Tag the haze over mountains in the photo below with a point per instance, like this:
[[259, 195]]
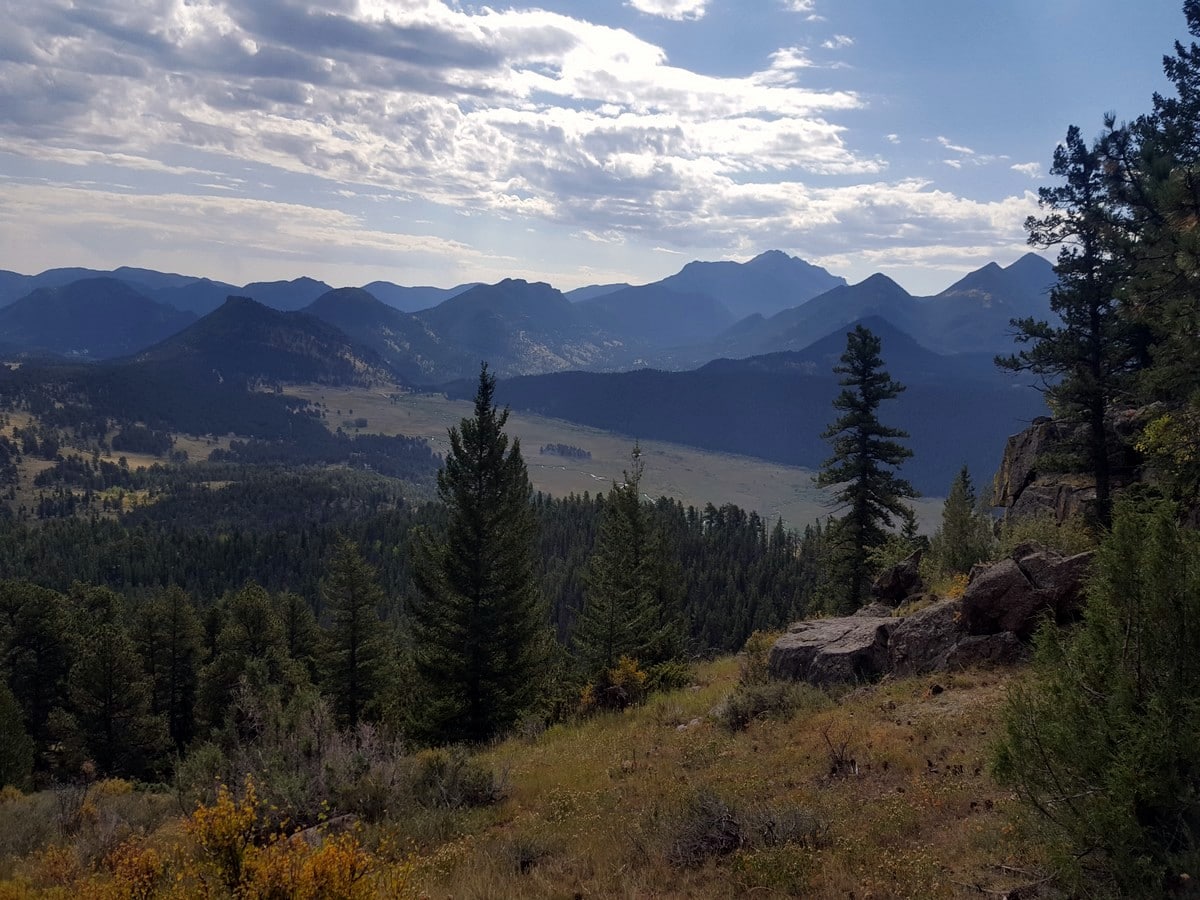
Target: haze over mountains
[[752, 346]]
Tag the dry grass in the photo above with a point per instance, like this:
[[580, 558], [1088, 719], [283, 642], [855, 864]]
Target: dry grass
[[883, 793], [895, 774]]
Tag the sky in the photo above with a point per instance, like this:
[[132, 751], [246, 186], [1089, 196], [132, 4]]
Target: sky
[[593, 141]]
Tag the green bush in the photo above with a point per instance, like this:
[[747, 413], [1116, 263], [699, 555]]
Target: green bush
[[768, 700], [1072, 536], [1104, 745], [451, 779]]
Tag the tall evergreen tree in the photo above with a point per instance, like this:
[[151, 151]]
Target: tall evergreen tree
[[354, 665], [1089, 357], [167, 633], [110, 704], [479, 626], [631, 585], [965, 535], [36, 651], [249, 648], [864, 453]]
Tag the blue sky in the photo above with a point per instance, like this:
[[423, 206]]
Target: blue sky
[[430, 142]]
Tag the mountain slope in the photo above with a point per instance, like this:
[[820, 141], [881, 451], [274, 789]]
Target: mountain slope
[[767, 284], [957, 410], [407, 344], [654, 316], [287, 296], [974, 312], [519, 327], [93, 318], [245, 341], [413, 299]]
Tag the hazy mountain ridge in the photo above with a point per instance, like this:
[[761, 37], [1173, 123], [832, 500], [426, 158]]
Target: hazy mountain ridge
[[247, 341], [414, 351], [91, 318], [776, 406], [679, 323]]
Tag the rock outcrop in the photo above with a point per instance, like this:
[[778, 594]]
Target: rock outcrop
[[833, 651], [1017, 593], [897, 583], [989, 625]]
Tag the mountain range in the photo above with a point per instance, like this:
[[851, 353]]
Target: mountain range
[[760, 384], [706, 311]]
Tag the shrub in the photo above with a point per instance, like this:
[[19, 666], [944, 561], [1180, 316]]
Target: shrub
[[758, 696], [1072, 536], [1104, 745], [620, 687], [768, 700], [708, 826], [451, 779]]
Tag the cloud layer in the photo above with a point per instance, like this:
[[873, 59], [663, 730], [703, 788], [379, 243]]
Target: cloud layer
[[521, 114]]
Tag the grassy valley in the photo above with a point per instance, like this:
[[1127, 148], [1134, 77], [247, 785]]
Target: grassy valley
[[688, 474]]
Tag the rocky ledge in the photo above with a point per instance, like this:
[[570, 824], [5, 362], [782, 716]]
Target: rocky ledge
[[990, 624]]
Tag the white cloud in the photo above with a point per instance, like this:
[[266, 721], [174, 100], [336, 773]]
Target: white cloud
[[892, 138], [677, 10], [957, 148], [837, 42], [807, 8], [517, 114], [1031, 169]]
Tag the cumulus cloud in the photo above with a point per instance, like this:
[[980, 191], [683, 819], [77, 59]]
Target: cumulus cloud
[[837, 42], [517, 113], [1030, 169], [671, 9]]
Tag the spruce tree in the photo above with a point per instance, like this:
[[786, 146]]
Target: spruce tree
[[865, 452], [354, 663], [478, 622], [631, 585]]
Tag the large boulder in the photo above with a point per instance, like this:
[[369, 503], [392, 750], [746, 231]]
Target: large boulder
[[1016, 593], [833, 651], [1003, 649], [895, 583], [924, 640]]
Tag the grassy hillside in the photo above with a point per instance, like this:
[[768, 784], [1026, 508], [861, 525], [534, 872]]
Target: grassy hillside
[[883, 792]]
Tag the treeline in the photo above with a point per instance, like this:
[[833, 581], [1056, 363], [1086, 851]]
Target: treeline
[[182, 601], [566, 450]]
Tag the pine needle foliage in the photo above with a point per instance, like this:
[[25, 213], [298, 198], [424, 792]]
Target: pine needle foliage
[[865, 453], [631, 596], [1104, 746], [478, 622]]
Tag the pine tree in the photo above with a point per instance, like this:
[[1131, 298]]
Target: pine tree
[[631, 597], [301, 634], [864, 452], [34, 651], [478, 622], [16, 747], [110, 698], [1104, 744], [965, 535], [1089, 357], [248, 649], [167, 633], [354, 665]]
